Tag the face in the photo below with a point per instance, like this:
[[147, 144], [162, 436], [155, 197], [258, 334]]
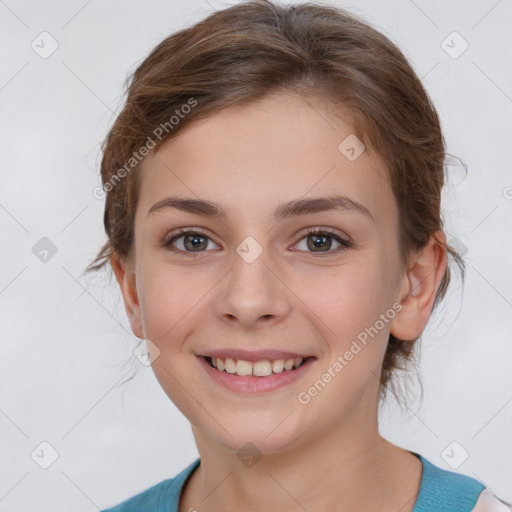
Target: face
[[274, 272]]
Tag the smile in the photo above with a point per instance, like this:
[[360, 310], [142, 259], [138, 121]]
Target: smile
[[262, 368], [256, 376]]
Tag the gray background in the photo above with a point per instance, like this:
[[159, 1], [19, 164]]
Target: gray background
[[66, 343]]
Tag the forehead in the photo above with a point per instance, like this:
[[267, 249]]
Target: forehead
[[270, 151]]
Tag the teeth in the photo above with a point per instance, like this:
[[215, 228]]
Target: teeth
[[278, 366], [243, 367], [262, 368], [229, 365]]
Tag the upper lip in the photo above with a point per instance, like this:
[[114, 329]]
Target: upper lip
[[253, 355]]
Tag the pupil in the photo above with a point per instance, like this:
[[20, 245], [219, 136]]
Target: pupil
[[319, 241], [195, 240]]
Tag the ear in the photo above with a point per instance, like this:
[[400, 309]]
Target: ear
[[127, 282], [418, 289]]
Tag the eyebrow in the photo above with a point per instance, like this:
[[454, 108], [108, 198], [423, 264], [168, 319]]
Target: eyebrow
[[292, 208]]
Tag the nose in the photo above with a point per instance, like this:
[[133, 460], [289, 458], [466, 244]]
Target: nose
[[253, 295]]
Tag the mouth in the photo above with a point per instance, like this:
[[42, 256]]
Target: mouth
[[261, 368]]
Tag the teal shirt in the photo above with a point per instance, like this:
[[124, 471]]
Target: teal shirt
[[440, 491]]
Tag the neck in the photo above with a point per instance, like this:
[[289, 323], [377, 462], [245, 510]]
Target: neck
[[340, 470]]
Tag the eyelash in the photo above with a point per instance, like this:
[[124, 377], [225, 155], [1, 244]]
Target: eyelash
[[344, 244]]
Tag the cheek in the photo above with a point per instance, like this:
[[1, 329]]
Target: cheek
[[347, 300], [355, 320], [170, 303], [173, 305]]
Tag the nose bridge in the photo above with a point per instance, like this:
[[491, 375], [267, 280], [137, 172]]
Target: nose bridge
[[252, 291]]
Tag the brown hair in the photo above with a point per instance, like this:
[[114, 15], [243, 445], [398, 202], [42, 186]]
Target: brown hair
[[240, 54]]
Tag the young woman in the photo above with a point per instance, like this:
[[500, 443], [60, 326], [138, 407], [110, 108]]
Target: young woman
[[273, 190]]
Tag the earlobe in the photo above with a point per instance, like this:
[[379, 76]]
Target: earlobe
[[421, 281], [127, 283]]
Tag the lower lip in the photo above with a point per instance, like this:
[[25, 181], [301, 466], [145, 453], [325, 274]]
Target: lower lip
[[252, 384]]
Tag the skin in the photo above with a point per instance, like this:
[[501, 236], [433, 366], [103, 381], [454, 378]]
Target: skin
[[327, 454]]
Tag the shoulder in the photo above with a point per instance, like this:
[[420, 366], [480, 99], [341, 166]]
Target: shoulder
[[437, 479], [488, 502], [448, 491], [146, 500], [162, 497]]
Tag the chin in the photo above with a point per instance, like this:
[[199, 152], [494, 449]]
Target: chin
[[256, 437]]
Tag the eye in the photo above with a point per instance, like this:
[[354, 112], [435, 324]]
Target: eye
[[189, 241], [321, 241], [318, 241]]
